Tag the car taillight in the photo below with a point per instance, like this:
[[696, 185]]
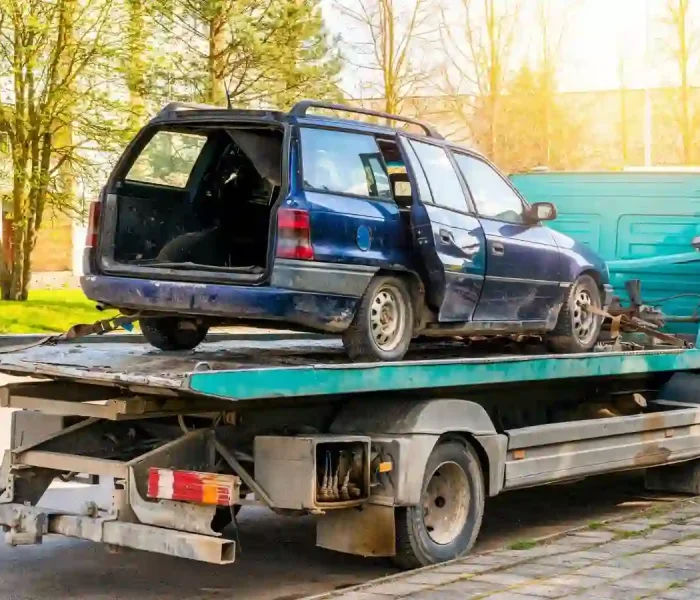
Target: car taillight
[[93, 225], [294, 234]]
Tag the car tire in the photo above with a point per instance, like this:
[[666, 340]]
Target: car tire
[[577, 330], [447, 521], [382, 327], [172, 333]]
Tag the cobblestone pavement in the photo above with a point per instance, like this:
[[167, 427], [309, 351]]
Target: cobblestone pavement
[[655, 555]]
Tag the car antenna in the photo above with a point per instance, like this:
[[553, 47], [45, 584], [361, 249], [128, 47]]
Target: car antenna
[[229, 106], [227, 88]]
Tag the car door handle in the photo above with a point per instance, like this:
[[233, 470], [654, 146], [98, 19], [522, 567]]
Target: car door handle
[[447, 236], [497, 249]]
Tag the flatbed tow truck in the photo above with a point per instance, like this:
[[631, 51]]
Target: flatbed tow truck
[[394, 459]]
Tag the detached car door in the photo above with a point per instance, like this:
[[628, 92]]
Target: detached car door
[[449, 239], [523, 264]]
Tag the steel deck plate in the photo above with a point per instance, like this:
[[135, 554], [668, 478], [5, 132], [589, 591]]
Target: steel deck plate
[[283, 367]]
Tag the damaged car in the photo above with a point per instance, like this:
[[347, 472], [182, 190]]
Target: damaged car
[[305, 220]]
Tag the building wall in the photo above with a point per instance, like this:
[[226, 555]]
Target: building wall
[[54, 246], [54, 249]]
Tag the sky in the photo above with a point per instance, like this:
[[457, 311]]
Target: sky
[[597, 35]]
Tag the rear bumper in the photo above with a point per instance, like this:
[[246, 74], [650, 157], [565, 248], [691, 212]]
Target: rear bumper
[[315, 310], [27, 525]]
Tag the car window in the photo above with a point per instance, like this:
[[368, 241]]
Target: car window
[[167, 159], [418, 173], [493, 197], [442, 177], [345, 163]]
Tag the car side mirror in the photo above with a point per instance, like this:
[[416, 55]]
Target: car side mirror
[[543, 211], [696, 242]]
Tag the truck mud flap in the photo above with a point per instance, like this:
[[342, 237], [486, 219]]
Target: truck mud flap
[[571, 450], [27, 525]]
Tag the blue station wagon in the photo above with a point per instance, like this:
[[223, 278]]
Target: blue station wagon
[[217, 216]]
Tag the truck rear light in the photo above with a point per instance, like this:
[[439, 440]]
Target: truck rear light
[[192, 486], [93, 230], [294, 234]]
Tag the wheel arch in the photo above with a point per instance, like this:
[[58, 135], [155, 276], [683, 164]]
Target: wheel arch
[[491, 452], [594, 274], [407, 431]]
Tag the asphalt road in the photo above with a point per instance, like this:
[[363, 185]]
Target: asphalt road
[[278, 559]]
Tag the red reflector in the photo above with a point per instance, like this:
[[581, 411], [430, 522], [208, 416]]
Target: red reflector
[[192, 486], [294, 234], [93, 225]]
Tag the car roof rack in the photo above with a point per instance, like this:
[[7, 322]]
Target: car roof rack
[[183, 107], [177, 106], [300, 109]]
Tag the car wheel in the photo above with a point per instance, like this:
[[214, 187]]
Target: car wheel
[[383, 324], [577, 329], [172, 333], [447, 521]]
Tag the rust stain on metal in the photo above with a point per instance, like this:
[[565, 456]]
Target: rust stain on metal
[[652, 452], [366, 531], [652, 455]]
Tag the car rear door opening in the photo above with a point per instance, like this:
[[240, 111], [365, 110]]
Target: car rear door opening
[[196, 199]]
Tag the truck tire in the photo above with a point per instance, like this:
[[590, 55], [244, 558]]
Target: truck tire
[[447, 521], [577, 330], [383, 324], [172, 333]]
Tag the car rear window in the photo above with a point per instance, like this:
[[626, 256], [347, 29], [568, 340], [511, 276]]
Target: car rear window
[[343, 163], [167, 159]]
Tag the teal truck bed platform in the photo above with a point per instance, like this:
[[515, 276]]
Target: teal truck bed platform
[[276, 367]]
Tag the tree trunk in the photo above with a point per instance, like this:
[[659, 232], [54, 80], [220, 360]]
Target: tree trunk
[[216, 93], [136, 65], [5, 274]]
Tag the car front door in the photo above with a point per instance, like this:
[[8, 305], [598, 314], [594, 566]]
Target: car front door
[[449, 240], [523, 276]]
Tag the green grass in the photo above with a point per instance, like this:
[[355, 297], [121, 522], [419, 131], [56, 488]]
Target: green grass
[[522, 545], [625, 535], [48, 311], [594, 525]]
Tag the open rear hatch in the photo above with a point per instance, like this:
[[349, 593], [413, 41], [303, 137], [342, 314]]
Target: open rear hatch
[[194, 202]]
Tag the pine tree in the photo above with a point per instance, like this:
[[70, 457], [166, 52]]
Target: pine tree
[[266, 54]]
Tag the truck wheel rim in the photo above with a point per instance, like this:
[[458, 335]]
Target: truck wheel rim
[[446, 503], [387, 318], [584, 320]]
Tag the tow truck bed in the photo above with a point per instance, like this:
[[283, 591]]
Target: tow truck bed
[[279, 366], [233, 413]]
